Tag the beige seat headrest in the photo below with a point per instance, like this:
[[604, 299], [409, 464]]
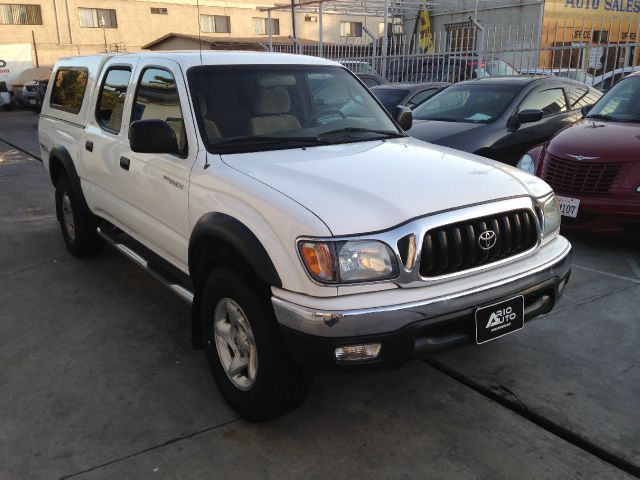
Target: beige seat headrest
[[272, 101]]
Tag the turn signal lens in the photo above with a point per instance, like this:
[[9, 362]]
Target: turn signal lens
[[318, 259]]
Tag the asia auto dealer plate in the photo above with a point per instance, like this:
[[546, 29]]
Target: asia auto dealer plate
[[499, 319]]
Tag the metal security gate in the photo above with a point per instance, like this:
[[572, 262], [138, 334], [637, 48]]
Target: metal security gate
[[597, 53]]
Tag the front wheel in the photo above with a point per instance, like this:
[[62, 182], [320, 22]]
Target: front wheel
[[247, 357]]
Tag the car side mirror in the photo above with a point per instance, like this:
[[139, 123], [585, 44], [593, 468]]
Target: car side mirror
[[403, 116], [586, 109], [530, 116], [152, 136]]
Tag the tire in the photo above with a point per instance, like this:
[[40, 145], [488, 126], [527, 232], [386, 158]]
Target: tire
[[269, 385], [77, 223]]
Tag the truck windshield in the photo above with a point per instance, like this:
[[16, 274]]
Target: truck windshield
[[620, 104], [243, 108]]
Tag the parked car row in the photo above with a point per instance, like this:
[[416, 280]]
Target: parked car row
[[584, 145]]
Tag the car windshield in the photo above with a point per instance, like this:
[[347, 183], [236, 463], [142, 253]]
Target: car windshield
[[243, 108], [390, 97], [620, 104], [494, 68], [577, 75], [359, 67], [471, 102]]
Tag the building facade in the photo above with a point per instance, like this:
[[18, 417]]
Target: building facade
[[58, 28]]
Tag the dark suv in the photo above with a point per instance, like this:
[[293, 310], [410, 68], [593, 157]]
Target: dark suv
[[447, 68]]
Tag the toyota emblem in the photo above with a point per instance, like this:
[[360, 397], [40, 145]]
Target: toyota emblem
[[487, 240]]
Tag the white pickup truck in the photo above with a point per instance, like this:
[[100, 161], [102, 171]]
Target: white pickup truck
[[276, 194]]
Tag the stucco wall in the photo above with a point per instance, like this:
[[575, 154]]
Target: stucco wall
[[62, 35]]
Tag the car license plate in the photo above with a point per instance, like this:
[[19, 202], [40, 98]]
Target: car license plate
[[499, 319], [32, 101], [569, 206]]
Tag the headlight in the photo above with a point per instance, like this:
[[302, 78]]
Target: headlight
[[551, 213], [348, 261], [527, 164]]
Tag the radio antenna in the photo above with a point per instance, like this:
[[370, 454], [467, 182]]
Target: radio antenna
[[206, 156]]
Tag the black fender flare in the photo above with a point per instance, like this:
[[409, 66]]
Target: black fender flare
[[62, 155], [219, 226], [230, 230]]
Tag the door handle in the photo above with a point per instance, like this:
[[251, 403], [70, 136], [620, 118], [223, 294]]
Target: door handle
[[89, 145], [124, 163]]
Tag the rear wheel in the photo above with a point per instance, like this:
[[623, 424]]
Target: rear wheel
[[77, 223], [247, 357]]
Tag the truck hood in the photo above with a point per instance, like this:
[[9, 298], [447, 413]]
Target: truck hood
[[374, 185], [607, 141]]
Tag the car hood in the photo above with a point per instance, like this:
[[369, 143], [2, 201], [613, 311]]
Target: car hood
[[608, 141], [442, 133], [374, 185]]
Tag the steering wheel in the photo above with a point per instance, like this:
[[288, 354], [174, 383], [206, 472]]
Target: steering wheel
[[316, 116]]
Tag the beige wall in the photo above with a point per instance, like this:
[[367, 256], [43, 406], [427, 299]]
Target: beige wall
[[62, 35]]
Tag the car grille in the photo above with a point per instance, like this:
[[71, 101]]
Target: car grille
[[569, 176], [456, 247]]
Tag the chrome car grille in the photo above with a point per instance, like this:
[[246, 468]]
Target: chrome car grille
[[569, 176], [460, 246]]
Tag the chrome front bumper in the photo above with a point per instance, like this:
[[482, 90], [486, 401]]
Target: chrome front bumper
[[341, 323]]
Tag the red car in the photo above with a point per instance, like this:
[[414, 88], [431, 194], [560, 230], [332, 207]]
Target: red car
[[594, 165]]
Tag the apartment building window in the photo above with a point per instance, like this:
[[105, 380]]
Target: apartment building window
[[215, 24], [311, 18], [350, 29], [261, 26], [17, 14], [159, 11], [98, 18], [395, 27]]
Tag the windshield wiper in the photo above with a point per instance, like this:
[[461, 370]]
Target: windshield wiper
[[266, 140], [350, 130], [601, 117], [442, 119]]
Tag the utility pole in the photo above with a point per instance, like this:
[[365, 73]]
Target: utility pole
[[293, 18], [104, 33]]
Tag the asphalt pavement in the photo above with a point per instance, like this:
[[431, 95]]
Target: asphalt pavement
[[98, 380]]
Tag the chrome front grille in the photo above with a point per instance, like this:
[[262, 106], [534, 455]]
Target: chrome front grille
[[572, 176], [459, 246]]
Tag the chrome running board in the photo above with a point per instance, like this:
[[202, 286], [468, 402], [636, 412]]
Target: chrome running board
[[153, 269]]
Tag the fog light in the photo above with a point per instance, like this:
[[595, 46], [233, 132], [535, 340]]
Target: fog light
[[358, 353]]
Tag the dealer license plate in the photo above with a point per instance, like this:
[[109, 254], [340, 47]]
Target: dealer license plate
[[499, 319], [569, 206]]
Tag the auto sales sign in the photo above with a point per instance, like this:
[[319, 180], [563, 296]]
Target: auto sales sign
[[14, 59]]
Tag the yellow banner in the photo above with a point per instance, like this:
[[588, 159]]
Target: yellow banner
[[426, 36]]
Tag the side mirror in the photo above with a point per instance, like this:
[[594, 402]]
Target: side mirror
[[152, 136], [403, 116], [586, 109], [530, 116]]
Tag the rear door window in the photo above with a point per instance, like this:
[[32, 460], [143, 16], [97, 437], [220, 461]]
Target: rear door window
[[550, 101], [68, 90], [111, 99], [157, 99]]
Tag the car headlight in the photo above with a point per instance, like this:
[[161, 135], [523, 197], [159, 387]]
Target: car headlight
[[551, 214], [527, 164], [348, 261]]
